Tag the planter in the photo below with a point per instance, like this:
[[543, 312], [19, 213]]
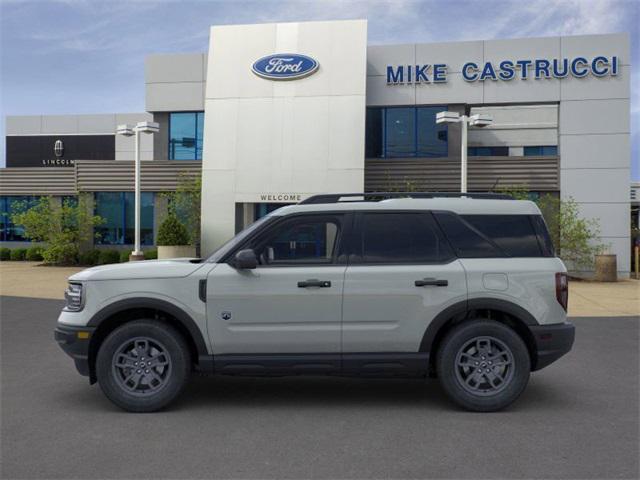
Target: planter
[[606, 268], [176, 251]]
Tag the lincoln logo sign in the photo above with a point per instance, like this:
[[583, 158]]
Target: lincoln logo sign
[[285, 66], [58, 148], [505, 70]]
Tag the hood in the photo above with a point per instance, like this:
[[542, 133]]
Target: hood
[[174, 268]]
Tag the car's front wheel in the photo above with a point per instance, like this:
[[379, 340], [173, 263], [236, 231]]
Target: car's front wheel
[[483, 365], [143, 365]]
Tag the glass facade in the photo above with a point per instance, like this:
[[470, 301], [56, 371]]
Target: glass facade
[[9, 232], [541, 151], [488, 151], [117, 209], [185, 135], [405, 132]]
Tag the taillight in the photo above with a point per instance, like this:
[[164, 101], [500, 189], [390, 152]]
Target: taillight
[[562, 289]]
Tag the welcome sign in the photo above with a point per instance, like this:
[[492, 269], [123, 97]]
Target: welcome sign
[[506, 70]]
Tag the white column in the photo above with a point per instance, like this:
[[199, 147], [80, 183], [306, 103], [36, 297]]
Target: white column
[[463, 156], [136, 248]]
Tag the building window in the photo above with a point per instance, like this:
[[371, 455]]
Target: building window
[[9, 232], [393, 132], [117, 209], [541, 151], [488, 151], [185, 135]]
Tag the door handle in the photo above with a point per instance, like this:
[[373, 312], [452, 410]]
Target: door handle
[[431, 282], [314, 283]]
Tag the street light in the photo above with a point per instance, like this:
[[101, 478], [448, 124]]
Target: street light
[[477, 120], [128, 131]]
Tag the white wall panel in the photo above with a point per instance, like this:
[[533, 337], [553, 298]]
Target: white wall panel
[[600, 185], [272, 137], [594, 117], [595, 151]]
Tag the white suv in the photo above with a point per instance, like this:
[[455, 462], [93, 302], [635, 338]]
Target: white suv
[[467, 289]]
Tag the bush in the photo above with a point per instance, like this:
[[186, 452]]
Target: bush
[[5, 254], [108, 256], [89, 257], [151, 255], [34, 254], [18, 254], [61, 254], [64, 227], [172, 232], [124, 256]]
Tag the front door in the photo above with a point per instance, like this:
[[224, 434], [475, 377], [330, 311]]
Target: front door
[[292, 302], [401, 276]]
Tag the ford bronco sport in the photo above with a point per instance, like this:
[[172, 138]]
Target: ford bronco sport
[[464, 288]]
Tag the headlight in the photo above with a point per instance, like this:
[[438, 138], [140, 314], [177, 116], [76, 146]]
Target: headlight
[[74, 300]]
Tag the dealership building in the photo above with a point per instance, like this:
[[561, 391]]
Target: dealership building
[[274, 113]]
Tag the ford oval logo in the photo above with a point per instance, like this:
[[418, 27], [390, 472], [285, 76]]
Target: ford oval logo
[[285, 66]]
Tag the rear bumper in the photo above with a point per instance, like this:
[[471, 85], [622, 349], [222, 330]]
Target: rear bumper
[[552, 342], [75, 343]]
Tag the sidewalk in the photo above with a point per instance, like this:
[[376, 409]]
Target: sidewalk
[[586, 299]]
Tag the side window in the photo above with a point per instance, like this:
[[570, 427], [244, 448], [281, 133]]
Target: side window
[[543, 236], [512, 233], [402, 238], [467, 242], [303, 240]]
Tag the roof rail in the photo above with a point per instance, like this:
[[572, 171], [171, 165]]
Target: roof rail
[[378, 196]]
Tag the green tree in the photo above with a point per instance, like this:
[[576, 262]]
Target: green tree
[[184, 203], [63, 227], [172, 232]]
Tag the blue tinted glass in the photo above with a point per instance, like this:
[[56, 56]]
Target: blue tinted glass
[[117, 209], [185, 135], [532, 151], [9, 232], [400, 132], [432, 137], [109, 206], [199, 134], [538, 151]]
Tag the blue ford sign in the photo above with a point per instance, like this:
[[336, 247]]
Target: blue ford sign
[[284, 66]]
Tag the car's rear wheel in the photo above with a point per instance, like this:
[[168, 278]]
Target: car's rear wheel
[[143, 365], [483, 365]]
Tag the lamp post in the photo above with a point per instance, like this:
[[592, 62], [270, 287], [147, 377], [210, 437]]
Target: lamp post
[[477, 120], [128, 131]]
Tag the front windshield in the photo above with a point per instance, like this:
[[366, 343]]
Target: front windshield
[[229, 244]]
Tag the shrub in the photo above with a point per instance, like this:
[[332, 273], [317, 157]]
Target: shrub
[[108, 256], [63, 227], [34, 254], [5, 254], [172, 232], [89, 257], [61, 254], [18, 254], [151, 255], [124, 256]]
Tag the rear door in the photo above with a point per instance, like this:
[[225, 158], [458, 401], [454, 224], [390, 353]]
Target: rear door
[[401, 274]]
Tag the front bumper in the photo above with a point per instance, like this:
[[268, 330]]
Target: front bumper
[[552, 342], [75, 343]]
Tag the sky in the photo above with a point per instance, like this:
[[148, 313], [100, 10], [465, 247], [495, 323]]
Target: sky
[[87, 56]]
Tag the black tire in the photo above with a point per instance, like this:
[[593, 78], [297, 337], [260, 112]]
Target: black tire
[[161, 384], [464, 371]]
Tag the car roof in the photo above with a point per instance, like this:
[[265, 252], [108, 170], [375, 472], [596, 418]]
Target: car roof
[[463, 206]]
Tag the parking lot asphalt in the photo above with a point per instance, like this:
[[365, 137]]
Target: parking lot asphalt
[[578, 418]]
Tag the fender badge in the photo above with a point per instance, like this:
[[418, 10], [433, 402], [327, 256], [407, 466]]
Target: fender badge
[[226, 315]]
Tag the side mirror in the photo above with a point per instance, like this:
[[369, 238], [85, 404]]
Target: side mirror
[[245, 260]]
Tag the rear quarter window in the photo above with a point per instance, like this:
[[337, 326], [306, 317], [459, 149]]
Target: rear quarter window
[[515, 235]]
